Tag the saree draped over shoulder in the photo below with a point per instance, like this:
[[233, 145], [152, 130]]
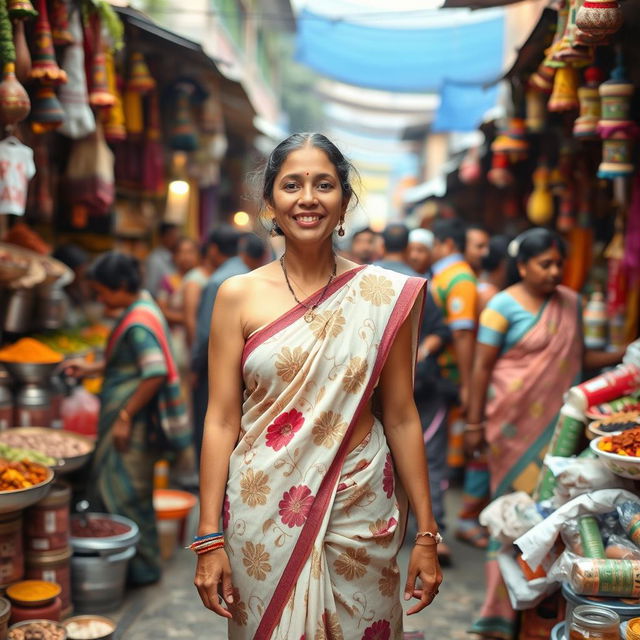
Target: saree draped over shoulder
[[311, 529], [138, 348], [525, 395]]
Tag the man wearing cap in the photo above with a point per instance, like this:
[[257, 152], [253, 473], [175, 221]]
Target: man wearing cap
[[419, 250]]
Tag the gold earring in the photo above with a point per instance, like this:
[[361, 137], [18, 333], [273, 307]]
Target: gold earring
[[275, 228], [341, 229]]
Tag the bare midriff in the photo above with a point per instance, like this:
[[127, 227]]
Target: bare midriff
[[361, 428]]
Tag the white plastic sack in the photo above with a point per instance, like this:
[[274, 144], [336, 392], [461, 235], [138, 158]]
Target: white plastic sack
[[510, 516]]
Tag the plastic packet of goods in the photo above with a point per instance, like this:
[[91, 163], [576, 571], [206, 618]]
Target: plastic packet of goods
[[538, 541], [509, 516], [604, 577], [590, 537], [621, 548], [570, 534], [629, 515]]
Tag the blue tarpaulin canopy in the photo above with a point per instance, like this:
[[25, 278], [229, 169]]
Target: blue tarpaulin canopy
[[461, 50], [462, 106]]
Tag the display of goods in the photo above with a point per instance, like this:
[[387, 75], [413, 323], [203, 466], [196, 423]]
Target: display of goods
[[28, 350], [38, 630], [80, 412], [33, 592], [592, 546], [16, 454], [52, 566], [12, 266], [622, 380], [11, 553], [54, 444], [626, 403], [626, 443], [21, 235], [590, 622], [598, 577], [615, 422], [47, 522], [96, 335], [97, 528], [21, 475], [67, 343], [88, 628]]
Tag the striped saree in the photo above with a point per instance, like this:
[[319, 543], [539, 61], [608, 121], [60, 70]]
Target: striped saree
[[312, 530]]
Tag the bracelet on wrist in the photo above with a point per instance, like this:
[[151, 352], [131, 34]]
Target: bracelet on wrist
[[206, 543], [434, 535]]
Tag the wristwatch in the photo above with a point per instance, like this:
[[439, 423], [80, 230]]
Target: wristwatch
[[429, 534]]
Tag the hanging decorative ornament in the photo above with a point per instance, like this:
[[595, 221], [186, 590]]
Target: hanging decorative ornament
[[140, 79], [60, 23], [561, 26], [14, 101], [47, 113], [566, 213], [74, 95], [586, 125], [44, 66], [21, 10], [599, 18], [499, 175], [183, 135], [565, 90], [153, 166], [23, 56], [542, 78], [470, 169], [615, 127], [99, 94], [569, 50], [114, 123], [540, 202], [536, 108], [513, 141]]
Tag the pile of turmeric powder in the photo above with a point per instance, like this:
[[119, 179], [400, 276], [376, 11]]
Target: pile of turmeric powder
[[28, 350]]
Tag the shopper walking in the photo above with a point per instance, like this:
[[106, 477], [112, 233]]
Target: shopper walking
[[476, 247], [312, 519], [419, 251], [396, 241], [530, 351], [142, 414], [493, 277]]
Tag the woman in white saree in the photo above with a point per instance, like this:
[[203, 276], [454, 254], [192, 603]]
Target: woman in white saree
[[303, 470]]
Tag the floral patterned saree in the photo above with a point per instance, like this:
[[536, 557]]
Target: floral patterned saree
[[312, 530]]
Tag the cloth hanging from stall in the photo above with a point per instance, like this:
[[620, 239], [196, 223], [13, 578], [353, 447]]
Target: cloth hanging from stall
[[16, 169]]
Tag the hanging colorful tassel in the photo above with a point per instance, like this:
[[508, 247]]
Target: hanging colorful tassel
[[60, 23], [133, 113], [44, 66], [565, 90], [114, 123], [74, 96], [47, 113], [99, 95], [153, 165]]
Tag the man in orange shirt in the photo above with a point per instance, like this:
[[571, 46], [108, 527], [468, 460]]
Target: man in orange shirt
[[455, 290]]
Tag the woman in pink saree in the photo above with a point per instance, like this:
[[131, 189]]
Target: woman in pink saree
[[529, 353], [311, 482]]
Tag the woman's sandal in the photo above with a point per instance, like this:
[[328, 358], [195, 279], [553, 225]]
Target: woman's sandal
[[476, 536]]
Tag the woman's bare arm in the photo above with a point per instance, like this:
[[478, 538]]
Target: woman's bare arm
[[404, 434], [192, 291], [221, 430]]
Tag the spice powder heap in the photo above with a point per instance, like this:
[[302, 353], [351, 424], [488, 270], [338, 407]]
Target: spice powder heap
[[28, 350]]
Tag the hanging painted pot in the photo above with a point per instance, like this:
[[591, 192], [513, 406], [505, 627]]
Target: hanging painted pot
[[499, 175], [540, 202], [44, 66], [47, 113], [599, 18], [23, 56], [617, 160], [565, 90], [21, 10], [14, 100], [615, 94], [513, 141], [60, 23], [140, 79], [586, 125]]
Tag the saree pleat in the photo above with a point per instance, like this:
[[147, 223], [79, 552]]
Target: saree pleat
[[312, 531]]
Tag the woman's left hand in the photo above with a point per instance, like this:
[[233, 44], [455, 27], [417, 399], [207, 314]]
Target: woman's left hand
[[424, 565], [121, 432]]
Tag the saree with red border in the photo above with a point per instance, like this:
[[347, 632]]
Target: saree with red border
[[312, 530]]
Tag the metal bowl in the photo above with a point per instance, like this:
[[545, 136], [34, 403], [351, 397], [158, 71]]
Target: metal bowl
[[81, 620], [24, 623], [64, 465], [22, 498], [31, 372]]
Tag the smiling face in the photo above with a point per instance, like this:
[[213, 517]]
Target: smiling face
[[307, 200]]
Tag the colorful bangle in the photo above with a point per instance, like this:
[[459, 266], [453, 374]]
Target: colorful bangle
[[206, 543]]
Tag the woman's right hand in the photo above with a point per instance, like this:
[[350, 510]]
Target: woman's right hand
[[76, 367], [474, 442], [213, 580]]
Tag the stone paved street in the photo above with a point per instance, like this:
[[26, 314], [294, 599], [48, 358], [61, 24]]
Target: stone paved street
[[172, 609]]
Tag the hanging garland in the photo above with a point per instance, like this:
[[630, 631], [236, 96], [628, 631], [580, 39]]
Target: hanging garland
[[7, 48]]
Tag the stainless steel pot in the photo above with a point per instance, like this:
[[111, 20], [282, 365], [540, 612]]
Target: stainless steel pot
[[52, 307], [19, 314]]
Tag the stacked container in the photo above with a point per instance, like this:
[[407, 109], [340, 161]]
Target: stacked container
[[47, 542]]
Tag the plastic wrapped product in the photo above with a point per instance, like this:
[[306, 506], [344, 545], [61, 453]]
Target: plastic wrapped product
[[590, 537], [629, 515], [598, 577]]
